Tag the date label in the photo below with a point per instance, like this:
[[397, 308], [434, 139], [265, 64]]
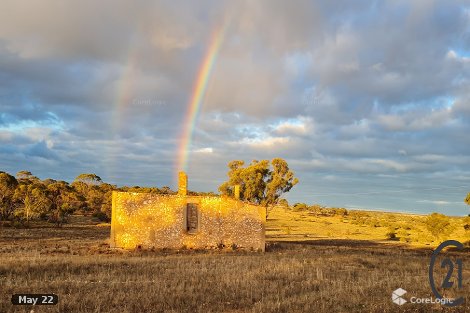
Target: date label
[[35, 299]]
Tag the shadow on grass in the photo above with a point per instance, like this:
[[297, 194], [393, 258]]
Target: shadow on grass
[[349, 244], [337, 242]]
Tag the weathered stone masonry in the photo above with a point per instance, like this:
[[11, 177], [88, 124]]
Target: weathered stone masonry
[[177, 221]]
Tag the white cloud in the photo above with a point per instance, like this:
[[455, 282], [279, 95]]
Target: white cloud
[[438, 202], [298, 126], [264, 141], [204, 150]]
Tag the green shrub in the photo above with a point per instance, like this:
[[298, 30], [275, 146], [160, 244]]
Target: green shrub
[[300, 207], [315, 209], [391, 234], [341, 212], [439, 225], [103, 217], [466, 223]]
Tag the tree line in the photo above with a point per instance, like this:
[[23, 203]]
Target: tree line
[[25, 197]]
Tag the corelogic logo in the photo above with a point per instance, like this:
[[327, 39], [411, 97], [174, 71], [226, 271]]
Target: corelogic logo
[[397, 296], [447, 283]]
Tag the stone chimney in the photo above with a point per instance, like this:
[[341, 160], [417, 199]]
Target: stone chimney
[[236, 192], [182, 184]]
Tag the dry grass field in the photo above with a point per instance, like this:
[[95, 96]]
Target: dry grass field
[[297, 273], [288, 224]]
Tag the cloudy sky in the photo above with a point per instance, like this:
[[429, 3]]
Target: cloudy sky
[[368, 101]]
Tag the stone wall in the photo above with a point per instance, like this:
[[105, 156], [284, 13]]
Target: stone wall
[[177, 221]]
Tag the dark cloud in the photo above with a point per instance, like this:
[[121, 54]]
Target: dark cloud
[[363, 98]]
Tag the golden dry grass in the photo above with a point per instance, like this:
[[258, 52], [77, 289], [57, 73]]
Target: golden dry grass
[[288, 224], [309, 276]]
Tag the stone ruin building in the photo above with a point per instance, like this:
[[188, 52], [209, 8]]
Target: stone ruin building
[[145, 220]]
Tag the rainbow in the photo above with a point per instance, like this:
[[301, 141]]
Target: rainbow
[[125, 91], [197, 97]]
